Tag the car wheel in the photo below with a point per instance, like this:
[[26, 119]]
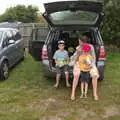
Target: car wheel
[[101, 77], [4, 70], [22, 59]]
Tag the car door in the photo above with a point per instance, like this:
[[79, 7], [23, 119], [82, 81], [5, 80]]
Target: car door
[[74, 13], [18, 44], [8, 49]]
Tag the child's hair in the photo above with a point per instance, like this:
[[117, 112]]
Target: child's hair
[[84, 39]]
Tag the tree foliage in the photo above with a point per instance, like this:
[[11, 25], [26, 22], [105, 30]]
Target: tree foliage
[[20, 13], [111, 28]]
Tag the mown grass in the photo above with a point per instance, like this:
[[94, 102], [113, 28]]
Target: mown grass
[[28, 95]]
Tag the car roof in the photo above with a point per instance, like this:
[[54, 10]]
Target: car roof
[[9, 24], [6, 29]]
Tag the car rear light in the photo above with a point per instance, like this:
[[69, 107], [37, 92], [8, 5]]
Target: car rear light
[[102, 55], [44, 52]]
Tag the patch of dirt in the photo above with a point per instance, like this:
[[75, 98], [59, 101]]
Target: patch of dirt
[[50, 118], [84, 114], [43, 105], [48, 105], [111, 111], [64, 113]]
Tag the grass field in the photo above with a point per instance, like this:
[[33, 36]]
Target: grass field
[[28, 95]]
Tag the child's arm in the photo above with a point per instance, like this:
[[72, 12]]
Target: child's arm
[[90, 61], [66, 56], [67, 59], [55, 56]]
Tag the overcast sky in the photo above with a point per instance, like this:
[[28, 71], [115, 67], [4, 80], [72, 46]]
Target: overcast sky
[[8, 3]]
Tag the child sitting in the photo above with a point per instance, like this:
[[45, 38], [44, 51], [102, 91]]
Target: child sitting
[[61, 59]]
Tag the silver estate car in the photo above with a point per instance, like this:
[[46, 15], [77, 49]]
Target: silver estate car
[[11, 50], [67, 20]]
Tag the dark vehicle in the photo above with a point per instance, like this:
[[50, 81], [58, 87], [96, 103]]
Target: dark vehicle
[[11, 50], [67, 20]]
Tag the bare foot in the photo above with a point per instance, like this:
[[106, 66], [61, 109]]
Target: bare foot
[[81, 96], [85, 96], [56, 85], [96, 98], [72, 98], [68, 85]]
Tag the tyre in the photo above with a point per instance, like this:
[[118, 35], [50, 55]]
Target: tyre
[[101, 77], [4, 70], [101, 73], [23, 58]]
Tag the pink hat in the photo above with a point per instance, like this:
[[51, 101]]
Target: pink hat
[[86, 48]]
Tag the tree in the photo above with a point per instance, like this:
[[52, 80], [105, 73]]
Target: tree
[[20, 13], [111, 26]]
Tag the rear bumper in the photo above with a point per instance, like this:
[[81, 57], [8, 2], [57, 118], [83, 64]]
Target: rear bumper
[[48, 72], [46, 69], [52, 72]]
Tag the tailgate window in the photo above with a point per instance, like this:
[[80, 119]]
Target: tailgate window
[[68, 17]]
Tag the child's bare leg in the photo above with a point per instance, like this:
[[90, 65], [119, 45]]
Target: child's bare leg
[[67, 79], [57, 79], [86, 89], [82, 89], [74, 85]]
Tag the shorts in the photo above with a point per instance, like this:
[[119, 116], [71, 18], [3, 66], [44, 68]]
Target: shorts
[[84, 77], [62, 69]]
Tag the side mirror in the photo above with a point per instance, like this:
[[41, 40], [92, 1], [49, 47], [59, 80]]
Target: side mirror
[[11, 42]]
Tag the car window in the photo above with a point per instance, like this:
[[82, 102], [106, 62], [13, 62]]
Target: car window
[[16, 35], [5, 40], [9, 35], [1, 33], [78, 17], [41, 33]]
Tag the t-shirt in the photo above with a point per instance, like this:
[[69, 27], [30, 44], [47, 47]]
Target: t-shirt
[[85, 62], [61, 57]]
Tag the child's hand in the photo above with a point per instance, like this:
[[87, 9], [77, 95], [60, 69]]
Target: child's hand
[[56, 62], [90, 65], [88, 61], [66, 58]]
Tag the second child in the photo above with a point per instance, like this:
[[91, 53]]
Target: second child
[[85, 62], [61, 59]]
